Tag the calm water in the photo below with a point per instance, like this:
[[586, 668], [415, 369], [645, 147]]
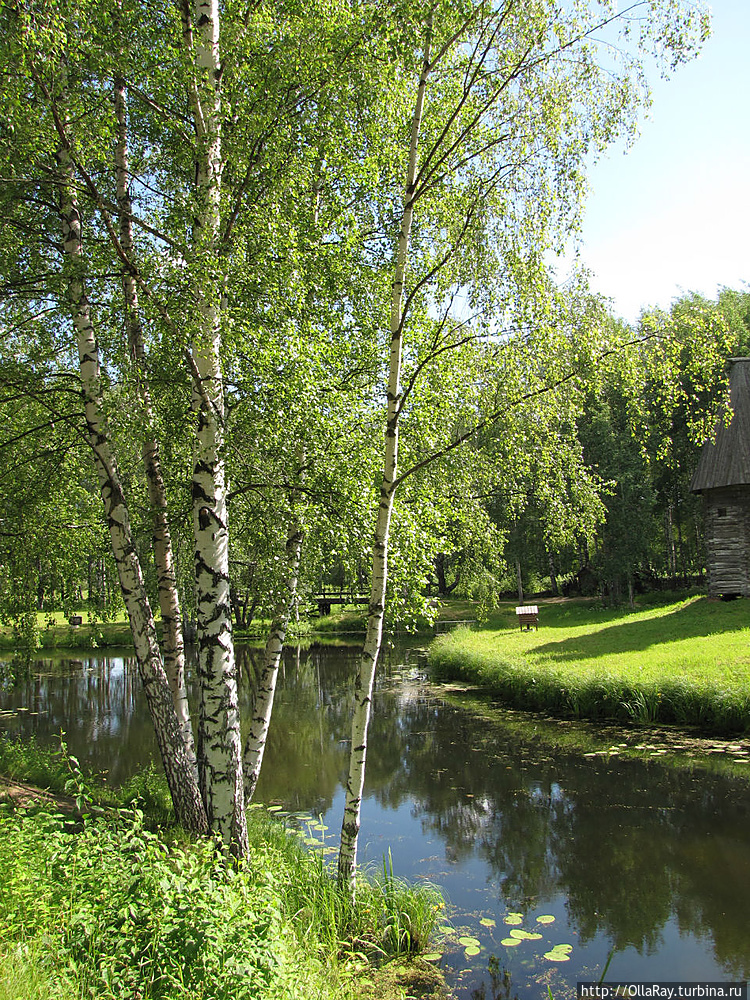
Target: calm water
[[644, 862]]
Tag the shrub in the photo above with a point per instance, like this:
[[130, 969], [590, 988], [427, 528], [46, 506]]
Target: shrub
[[135, 917]]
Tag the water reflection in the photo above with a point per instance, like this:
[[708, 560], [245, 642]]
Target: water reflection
[[96, 701], [640, 862]]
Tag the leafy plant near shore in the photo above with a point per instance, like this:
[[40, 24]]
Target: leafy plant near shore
[[109, 907], [51, 768], [135, 917]]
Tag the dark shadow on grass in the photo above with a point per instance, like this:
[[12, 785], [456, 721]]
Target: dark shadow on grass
[[700, 619]]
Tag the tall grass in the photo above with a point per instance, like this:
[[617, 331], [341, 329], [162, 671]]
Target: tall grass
[[387, 917], [26, 974], [687, 662]]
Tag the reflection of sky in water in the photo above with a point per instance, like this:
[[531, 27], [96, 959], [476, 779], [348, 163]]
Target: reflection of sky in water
[[652, 859]]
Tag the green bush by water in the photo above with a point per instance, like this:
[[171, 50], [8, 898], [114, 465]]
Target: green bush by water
[[106, 907], [686, 662], [130, 916]]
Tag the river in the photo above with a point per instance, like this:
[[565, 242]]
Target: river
[[563, 849]]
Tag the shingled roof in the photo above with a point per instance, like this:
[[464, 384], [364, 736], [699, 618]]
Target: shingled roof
[[726, 461]]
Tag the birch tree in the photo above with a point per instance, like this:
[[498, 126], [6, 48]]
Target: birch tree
[[220, 748], [40, 64], [508, 102], [173, 645], [175, 757]]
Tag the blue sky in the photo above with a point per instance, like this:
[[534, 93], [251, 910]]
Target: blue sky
[[672, 214]]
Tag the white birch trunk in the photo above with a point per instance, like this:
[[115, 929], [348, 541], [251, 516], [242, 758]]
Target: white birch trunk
[[173, 646], [347, 865], [255, 744], [219, 741], [180, 774]]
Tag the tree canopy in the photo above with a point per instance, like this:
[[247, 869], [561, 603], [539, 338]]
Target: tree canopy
[[283, 274]]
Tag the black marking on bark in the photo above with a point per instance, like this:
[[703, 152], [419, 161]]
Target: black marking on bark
[[199, 494]]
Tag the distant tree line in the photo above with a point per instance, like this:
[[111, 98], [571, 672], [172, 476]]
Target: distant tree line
[[645, 529]]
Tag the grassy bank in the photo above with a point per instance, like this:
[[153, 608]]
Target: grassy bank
[[112, 905], [685, 662], [55, 633]]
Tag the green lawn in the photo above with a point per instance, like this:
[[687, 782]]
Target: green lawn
[[686, 662]]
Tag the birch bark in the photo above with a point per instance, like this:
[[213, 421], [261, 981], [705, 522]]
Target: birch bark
[[173, 647], [177, 765], [256, 739], [219, 742], [347, 864]]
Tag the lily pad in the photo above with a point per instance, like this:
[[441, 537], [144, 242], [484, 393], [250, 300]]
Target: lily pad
[[513, 918], [472, 950], [468, 942], [560, 953], [273, 809], [487, 922], [525, 935], [433, 956], [546, 918], [510, 942]]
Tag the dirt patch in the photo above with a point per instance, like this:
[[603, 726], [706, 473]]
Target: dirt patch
[[20, 796]]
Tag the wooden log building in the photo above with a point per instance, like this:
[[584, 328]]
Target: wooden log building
[[723, 477]]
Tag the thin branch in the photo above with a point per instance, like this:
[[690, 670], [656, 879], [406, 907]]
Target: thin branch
[[124, 257], [496, 415], [65, 417], [165, 113], [429, 358]]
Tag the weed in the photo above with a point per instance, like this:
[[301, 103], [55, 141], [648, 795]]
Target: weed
[[130, 915], [409, 913]]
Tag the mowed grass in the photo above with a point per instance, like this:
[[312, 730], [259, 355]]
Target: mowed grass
[[685, 662]]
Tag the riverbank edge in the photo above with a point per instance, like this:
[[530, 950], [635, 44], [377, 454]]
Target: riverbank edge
[[613, 697], [342, 624], [337, 969]]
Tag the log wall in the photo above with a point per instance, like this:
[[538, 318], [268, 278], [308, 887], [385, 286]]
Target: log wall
[[728, 540]]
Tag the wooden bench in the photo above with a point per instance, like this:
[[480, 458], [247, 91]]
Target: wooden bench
[[528, 617]]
